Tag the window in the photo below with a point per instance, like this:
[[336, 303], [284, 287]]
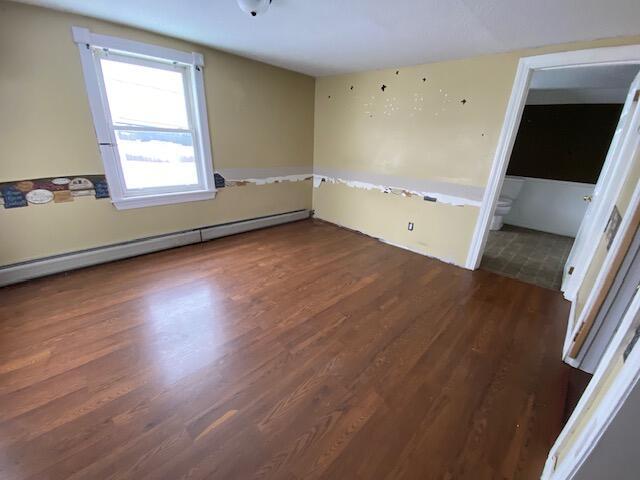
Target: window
[[149, 113]]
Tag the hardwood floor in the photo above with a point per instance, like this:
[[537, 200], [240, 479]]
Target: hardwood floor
[[297, 352]]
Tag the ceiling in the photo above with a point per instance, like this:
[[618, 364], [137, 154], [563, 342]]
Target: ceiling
[[587, 84], [323, 37]]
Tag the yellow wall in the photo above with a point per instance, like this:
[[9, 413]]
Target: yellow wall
[[386, 215], [415, 129], [260, 117]]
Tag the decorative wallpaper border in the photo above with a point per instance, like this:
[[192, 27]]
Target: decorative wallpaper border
[[38, 191]]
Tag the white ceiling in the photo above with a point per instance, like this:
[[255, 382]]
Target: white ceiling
[[322, 37]]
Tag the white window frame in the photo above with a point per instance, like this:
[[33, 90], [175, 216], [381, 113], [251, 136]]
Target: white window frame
[[90, 46]]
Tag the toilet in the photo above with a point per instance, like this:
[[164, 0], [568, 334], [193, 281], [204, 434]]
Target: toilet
[[511, 188], [502, 208]]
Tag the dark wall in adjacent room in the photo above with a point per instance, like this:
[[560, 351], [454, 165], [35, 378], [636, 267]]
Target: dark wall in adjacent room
[[564, 142]]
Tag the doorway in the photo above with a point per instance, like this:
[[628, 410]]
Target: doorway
[[612, 173], [567, 126]]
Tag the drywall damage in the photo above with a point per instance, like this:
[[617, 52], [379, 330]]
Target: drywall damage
[[238, 177], [402, 155], [267, 180], [428, 190]]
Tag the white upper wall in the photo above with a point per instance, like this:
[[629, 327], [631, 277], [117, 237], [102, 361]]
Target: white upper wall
[[552, 206], [323, 37], [592, 84], [576, 96]]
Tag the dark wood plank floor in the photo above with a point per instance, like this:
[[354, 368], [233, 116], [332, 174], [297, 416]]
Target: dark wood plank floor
[[298, 352]]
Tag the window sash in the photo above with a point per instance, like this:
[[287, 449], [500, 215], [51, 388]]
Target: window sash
[[132, 59], [100, 53], [145, 128]]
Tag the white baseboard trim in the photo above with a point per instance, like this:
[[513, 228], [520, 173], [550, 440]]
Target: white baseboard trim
[[20, 272]]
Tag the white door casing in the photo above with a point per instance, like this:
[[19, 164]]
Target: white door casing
[[629, 54]]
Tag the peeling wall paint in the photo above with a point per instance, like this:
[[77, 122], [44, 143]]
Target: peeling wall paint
[[431, 191], [267, 180], [237, 177]]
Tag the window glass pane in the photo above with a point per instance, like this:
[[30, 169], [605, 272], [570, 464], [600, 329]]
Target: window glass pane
[[144, 96], [157, 159]]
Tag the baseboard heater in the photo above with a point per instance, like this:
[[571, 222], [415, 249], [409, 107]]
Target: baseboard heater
[[20, 272]]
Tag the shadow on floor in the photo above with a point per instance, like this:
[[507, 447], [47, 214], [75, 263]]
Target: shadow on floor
[[576, 385], [528, 255]]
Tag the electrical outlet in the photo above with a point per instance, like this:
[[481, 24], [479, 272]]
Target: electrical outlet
[[410, 227]]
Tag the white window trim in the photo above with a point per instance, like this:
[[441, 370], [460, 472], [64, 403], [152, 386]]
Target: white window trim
[[86, 40]]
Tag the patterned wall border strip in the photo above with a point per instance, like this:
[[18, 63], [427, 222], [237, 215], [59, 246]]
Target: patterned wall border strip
[[38, 191], [21, 193]]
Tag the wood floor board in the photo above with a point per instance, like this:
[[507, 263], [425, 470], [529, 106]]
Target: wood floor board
[[295, 352]]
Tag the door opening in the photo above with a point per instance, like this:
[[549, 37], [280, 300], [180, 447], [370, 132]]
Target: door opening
[[568, 123]]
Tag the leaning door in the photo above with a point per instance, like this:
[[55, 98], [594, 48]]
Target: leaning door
[[600, 202], [611, 243]]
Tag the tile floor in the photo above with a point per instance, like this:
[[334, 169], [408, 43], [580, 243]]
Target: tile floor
[[528, 255]]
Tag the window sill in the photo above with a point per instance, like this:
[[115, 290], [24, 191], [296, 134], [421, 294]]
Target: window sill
[[164, 199]]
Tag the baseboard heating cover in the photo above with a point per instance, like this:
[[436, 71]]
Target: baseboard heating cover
[[20, 272]]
